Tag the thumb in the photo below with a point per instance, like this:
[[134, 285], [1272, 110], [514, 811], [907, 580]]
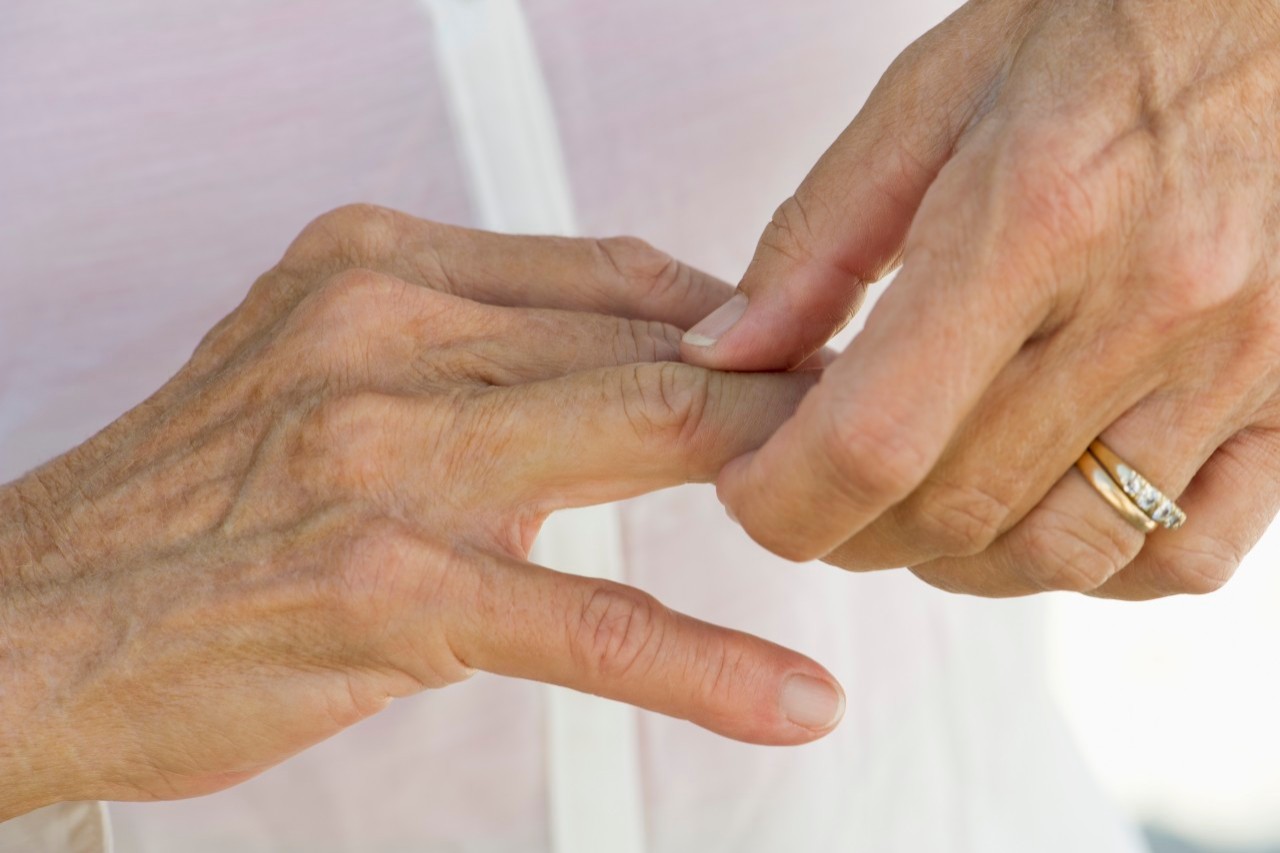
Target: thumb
[[618, 642], [846, 223]]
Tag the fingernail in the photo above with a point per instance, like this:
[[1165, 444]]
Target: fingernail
[[733, 516], [714, 325], [811, 703]]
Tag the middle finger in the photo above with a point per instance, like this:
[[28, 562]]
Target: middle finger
[[1032, 424]]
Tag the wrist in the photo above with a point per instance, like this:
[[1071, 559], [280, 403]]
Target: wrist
[[28, 766]]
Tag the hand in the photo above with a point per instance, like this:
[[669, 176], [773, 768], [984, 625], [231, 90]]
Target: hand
[[1085, 197], [331, 506]]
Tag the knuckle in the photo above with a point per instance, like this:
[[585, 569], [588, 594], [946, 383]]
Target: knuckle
[[874, 457], [369, 567], [899, 174], [341, 444], [958, 520], [346, 319], [380, 569], [1070, 553], [618, 631], [1259, 342], [1197, 278], [1198, 566], [1046, 193], [906, 69], [646, 341], [346, 235], [643, 269], [722, 667], [789, 233], [666, 401], [353, 292]]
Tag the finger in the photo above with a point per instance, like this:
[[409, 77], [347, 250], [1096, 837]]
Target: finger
[[620, 275], [610, 434], [617, 642], [1073, 540], [845, 225], [889, 405], [1229, 505], [374, 329], [988, 266], [1029, 428], [511, 346]]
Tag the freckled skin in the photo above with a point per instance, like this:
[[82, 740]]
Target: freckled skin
[[330, 506]]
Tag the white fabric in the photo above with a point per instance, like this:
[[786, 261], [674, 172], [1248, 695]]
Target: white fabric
[[60, 828], [502, 117], [518, 182], [594, 783], [156, 156]]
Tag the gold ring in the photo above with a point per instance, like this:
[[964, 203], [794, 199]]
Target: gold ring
[[1158, 506], [1113, 494]]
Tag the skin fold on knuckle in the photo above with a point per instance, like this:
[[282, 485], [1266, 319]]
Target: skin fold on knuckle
[[341, 328], [789, 233], [666, 402], [874, 460], [954, 520], [1205, 283], [1198, 565], [617, 633], [1070, 553], [644, 341], [645, 272], [350, 235], [723, 669]]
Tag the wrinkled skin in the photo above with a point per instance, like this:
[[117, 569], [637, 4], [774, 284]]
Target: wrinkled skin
[[331, 506], [1084, 197]]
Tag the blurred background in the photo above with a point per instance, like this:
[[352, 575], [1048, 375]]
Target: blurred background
[[1176, 705]]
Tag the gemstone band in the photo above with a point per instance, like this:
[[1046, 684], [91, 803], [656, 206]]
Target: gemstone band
[[1113, 494], [1158, 506]]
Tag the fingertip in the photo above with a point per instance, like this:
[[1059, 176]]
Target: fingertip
[[726, 484], [700, 344], [776, 327], [815, 704], [807, 704], [771, 510]]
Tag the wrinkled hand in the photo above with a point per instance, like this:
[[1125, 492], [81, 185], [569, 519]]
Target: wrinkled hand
[[331, 506], [1084, 196]]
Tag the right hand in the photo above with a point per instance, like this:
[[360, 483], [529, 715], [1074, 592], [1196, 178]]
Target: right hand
[[331, 506]]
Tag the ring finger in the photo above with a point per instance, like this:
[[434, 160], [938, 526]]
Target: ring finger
[[1053, 401], [1073, 539]]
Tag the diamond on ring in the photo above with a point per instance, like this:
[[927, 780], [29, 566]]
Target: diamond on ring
[[1158, 507]]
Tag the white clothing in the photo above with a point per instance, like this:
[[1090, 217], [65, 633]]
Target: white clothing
[[155, 157]]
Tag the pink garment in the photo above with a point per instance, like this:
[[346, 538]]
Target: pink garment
[[155, 157]]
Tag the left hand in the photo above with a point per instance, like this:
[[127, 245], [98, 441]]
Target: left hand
[[331, 506], [1085, 198]]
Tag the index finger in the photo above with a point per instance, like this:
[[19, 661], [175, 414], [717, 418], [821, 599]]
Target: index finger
[[887, 408], [613, 275]]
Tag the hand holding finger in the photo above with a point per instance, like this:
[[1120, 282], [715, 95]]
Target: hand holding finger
[[1065, 278]]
